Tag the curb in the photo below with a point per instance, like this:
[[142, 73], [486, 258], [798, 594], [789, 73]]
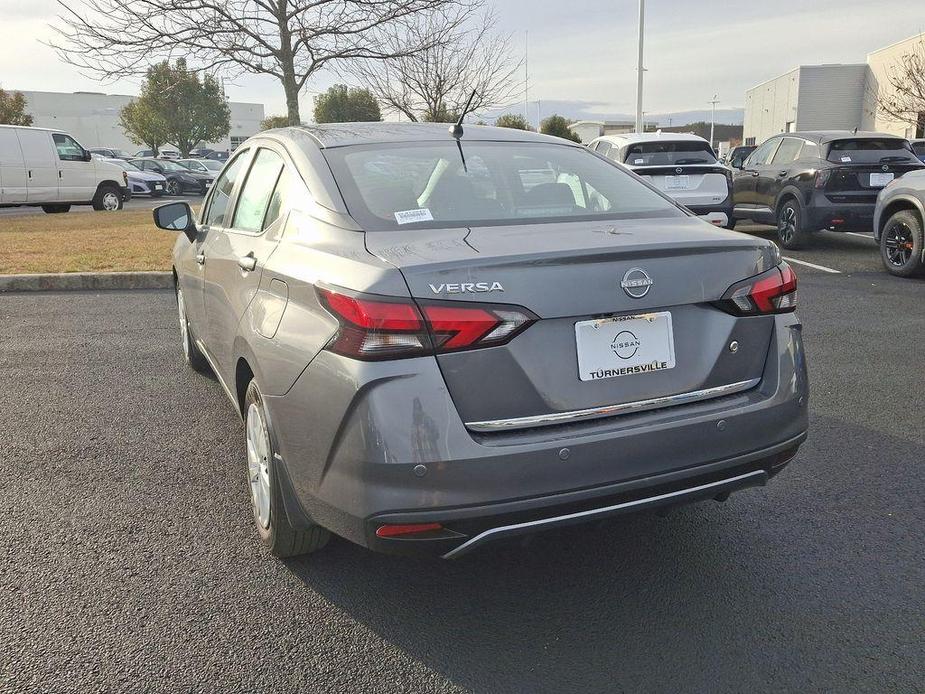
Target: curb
[[70, 281]]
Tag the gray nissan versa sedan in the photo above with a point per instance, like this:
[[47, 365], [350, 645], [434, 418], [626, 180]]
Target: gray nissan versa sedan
[[440, 339]]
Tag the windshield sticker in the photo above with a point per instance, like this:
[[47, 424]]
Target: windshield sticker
[[846, 159], [639, 161], [411, 216]]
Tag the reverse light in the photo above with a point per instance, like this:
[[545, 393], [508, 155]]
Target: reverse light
[[378, 327], [774, 291]]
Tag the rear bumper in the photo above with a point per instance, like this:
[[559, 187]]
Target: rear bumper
[[468, 529], [824, 213], [364, 444], [717, 214]]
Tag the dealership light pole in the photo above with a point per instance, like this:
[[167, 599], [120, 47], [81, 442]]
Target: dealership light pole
[[713, 117], [639, 68]]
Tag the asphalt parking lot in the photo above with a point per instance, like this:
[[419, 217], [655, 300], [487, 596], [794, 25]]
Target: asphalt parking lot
[[132, 564]]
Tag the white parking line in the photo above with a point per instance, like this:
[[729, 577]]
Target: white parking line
[[812, 265], [863, 236]]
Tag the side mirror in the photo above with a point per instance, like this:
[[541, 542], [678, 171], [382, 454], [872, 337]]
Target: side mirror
[[88, 156], [176, 216]]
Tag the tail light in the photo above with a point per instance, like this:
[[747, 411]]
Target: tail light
[[822, 177], [124, 178], [774, 291], [378, 327]]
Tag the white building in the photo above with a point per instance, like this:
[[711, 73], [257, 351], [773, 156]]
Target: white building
[[829, 97], [93, 118]]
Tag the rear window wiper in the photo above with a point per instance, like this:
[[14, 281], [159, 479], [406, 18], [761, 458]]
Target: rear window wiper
[[897, 158]]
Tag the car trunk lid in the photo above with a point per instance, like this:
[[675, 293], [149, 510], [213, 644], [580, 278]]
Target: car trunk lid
[[570, 275]]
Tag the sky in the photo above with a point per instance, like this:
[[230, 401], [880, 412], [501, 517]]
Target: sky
[[582, 53]]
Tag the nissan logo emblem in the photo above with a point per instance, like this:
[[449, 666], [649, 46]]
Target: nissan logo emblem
[[678, 170], [885, 167], [636, 283]]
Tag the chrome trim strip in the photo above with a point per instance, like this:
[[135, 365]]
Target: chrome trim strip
[[544, 420], [507, 529]]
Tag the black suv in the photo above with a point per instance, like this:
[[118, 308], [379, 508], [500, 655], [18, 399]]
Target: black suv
[[807, 181]]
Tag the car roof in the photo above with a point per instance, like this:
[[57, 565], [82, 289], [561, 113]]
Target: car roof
[[659, 136], [823, 136], [329, 135]]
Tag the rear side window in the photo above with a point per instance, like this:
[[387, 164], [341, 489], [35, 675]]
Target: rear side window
[[258, 187], [919, 147], [282, 199], [68, 149], [222, 190], [870, 151], [662, 153]]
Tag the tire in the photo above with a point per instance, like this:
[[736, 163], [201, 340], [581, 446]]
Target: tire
[[791, 233], [264, 488], [191, 354], [56, 209], [108, 198], [901, 244], [173, 187]]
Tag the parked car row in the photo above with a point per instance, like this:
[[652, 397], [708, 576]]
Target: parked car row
[[800, 182]]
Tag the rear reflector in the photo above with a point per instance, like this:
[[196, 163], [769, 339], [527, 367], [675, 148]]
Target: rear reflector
[[774, 291], [412, 529], [378, 327]]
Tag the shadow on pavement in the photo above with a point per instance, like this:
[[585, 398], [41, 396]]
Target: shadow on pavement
[[751, 593]]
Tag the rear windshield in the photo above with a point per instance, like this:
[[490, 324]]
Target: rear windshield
[[871, 151], [428, 185], [669, 154]]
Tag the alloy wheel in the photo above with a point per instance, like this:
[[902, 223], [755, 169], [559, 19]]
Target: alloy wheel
[[899, 244], [173, 188], [787, 224], [258, 464]]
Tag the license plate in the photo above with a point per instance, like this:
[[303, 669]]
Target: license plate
[[624, 346], [157, 186], [677, 182], [878, 180]]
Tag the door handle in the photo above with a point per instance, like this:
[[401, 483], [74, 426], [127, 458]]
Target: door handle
[[782, 173], [30, 173], [751, 172], [201, 258], [59, 174], [248, 262]]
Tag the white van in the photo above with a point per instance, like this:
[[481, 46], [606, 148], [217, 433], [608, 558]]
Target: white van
[[682, 165], [50, 169]]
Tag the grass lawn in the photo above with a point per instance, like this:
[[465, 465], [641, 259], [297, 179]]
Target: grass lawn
[[84, 242]]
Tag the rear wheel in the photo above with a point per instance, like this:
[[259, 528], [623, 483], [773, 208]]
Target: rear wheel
[[56, 209], [191, 353], [790, 231], [173, 186], [108, 199], [901, 244], [266, 495]]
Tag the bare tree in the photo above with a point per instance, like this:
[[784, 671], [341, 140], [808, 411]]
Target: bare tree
[[434, 84], [287, 39], [902, 98]]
